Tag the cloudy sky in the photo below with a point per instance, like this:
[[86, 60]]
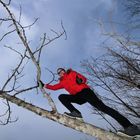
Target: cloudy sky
[[83, 41]]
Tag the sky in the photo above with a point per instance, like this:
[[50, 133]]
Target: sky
[[84, 37]]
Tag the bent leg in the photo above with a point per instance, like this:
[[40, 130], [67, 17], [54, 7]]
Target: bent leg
[[67, 101]]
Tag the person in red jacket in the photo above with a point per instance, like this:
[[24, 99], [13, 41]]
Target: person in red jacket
[[80, 93]]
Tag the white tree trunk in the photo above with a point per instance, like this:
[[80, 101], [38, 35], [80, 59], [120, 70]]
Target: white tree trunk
[[64, 120]]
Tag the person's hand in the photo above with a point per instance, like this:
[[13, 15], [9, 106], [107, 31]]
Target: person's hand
[[79, 80], [40, 84]]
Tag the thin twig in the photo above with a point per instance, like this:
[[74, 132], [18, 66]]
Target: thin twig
[[25, 90]]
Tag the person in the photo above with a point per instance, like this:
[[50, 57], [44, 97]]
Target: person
[[80, 93]]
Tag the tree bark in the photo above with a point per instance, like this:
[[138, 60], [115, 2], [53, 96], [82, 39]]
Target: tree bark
[[64, 120]]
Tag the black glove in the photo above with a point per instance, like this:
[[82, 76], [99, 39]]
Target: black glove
[[40, 84], [79, 80]]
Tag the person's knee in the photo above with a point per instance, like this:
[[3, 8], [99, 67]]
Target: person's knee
[[61, 97]]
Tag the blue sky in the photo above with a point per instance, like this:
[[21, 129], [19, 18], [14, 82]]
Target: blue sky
[[83, 41]]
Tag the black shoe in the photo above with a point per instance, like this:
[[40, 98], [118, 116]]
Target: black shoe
[[73, 114], [130, 131]]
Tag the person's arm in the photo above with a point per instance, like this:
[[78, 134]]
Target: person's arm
[[54, 87]]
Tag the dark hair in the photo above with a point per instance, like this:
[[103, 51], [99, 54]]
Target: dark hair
[[59, 70]]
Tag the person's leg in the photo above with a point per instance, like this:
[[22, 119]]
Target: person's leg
[[67, 101], [96, 102]]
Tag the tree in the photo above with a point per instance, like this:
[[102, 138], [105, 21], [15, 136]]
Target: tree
[[132, 12], [117, 72], [10, 90], [132, 7]]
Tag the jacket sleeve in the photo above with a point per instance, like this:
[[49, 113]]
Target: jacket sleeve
[[54, 87], [82, 77]]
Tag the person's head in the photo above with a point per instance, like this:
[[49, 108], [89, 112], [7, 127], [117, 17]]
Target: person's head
[[61, 71]]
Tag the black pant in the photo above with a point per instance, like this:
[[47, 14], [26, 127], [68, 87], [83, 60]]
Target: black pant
[[87, 95]]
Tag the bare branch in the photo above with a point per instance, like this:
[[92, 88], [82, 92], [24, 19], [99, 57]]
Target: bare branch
[[20, 13], [64, 30], [41, 47], [8, 2], [44, 43], [16, 70], [29, 26], [25, 90], [53, 75], [7, 34], [5, 19], [14, 50], [7, 114]]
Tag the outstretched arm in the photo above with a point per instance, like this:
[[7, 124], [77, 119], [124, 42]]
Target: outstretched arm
[[54, 87]]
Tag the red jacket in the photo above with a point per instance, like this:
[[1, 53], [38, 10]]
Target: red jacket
[[68, 82]]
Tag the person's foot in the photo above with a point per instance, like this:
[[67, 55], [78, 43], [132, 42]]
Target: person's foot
[[131, 131], [73, 114]]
